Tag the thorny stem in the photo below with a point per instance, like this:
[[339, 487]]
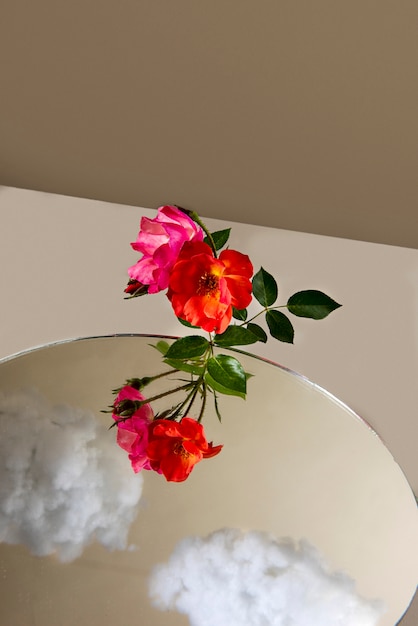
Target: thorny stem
[[147, 380], [165, 393], [200, 382], [195, 217], [193, 387], [265, 310], [193, 397], [215, 401], [167, 373], [140, 403], [202, 408], [180, 407], [196, 385]]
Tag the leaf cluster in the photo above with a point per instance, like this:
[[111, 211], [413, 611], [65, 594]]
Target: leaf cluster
[[209, 372], [310, 303]]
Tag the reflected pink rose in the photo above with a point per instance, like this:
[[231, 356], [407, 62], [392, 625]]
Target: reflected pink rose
[[160, 241], [132, 433]]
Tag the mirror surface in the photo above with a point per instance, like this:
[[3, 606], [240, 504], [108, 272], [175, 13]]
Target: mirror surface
[[296, 463]]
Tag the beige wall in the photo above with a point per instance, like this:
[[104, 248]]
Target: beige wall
[[297, 114]]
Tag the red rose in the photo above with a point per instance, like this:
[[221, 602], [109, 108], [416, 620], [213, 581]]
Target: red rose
[[174, 448], [203, 289]]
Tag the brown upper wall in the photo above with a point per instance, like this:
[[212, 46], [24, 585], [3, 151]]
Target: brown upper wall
[[299, 115]]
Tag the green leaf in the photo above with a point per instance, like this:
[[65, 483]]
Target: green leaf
[[239, 314], [184, 366], [311, 303], [187, 347], [280, 326], [186, 323], [162, 347], [257, 330], [236, 336], [226, 375], [220, 237], [264, 288], [216, 386]]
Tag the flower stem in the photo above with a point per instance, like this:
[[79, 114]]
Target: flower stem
[[254, 317], [265, 310], [195, 217], [192, 398], [202, 408], [180, 407], [163, 394]]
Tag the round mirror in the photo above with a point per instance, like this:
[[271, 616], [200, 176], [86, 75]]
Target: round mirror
[[304, 499]]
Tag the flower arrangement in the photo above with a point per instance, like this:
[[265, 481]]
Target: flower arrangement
[[210, 288]]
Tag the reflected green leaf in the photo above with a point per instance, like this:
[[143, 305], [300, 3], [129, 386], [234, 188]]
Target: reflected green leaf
[[161, 346], [184, 366], [226, 375], [187, 347], [217, 386]]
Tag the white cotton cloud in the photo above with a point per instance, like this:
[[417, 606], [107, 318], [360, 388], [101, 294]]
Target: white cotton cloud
[[64, 483], [253, 579]]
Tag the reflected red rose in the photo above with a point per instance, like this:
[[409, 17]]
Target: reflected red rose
[[174, 448], [203, 289]]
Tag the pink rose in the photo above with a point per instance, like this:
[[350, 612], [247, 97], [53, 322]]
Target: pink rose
[[160, 241], [133, 432]]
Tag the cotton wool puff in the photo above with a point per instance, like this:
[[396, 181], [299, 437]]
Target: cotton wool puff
[[64, 483], [236, 578]]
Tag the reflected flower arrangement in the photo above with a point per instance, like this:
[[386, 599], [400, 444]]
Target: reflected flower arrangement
[[165, 446], [210, 288]]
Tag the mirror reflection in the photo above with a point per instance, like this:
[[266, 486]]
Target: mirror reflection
[[302, 518]]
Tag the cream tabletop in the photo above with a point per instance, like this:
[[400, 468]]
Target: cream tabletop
[[64, 263]]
